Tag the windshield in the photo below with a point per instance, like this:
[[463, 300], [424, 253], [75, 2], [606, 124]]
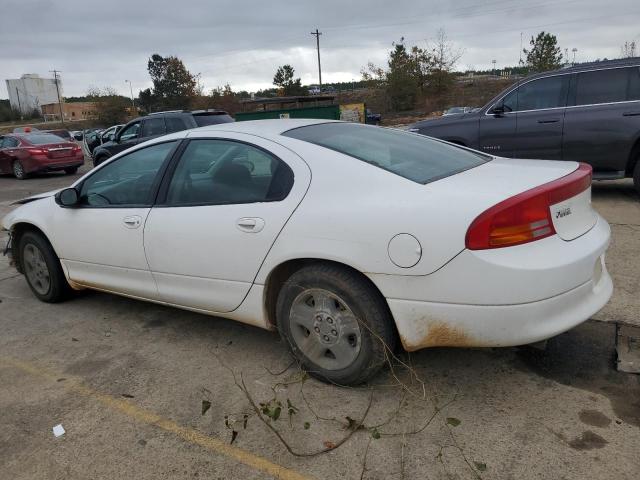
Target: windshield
[[411, 156], [42, 138]]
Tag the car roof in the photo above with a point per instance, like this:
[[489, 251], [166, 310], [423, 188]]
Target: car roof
[[261, 127], [583, 67]]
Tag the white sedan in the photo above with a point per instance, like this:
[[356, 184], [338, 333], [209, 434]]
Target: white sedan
[[346, 238]]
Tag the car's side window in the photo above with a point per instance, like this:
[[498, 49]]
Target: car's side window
[[510, 102], [130, 131], [8, 142], [212, 172], [175, 124], [634, 84], [602, 86], [129, 180], [153, 127], [550, 92]]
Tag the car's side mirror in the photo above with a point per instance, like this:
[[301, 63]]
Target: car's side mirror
[[68, 197], [497, 110]]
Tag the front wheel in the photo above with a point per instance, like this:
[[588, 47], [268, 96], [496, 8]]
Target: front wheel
[[335, 323], [18, 170], [42, 268]]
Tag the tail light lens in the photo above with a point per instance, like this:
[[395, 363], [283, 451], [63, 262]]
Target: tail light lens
[[36, 151], [525, 217]]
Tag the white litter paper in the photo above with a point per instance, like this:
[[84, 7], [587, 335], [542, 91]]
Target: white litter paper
[[58, 430]]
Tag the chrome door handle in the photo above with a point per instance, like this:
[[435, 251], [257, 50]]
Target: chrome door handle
[[549, 121], [631, 114], [250, 224], [133, 221]]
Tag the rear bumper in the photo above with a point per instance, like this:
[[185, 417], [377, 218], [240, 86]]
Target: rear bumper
[[430, 324], [37, 166]]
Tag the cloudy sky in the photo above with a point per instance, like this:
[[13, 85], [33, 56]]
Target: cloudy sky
[[242, 42]]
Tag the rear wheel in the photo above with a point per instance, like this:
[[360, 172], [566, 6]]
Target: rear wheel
[[71, 170], [336, 324], [42, 268], [18, 170], [99, 159], [636, 173]]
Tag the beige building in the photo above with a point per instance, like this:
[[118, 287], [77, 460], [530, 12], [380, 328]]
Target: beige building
[[71, 111]]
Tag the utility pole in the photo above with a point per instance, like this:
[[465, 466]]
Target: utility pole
[[55, 77], [574, 50], [520, 63], [19, 106], [133, 104], [317, 35]]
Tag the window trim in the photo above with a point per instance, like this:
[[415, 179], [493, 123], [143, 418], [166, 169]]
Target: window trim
[[573, 73], [153, 193], [161, 196]]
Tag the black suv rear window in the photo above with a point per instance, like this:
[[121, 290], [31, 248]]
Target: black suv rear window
[[205, 119], [412, 156]]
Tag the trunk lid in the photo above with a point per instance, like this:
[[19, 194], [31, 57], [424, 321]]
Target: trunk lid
[[575, 216]]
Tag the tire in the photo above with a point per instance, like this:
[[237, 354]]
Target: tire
[[636, 174], [71, 170], [335, 323], [18, 170], [42, 269]]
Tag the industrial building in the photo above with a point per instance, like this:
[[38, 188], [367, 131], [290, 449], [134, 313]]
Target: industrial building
[[71, 111], [30, 92]]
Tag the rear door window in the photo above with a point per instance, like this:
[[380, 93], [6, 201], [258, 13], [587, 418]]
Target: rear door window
[[550, 92], [602, 86], [153, 127], [634, 84], [175, 124]]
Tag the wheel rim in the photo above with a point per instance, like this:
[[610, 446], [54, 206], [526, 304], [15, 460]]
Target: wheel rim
[[36, 269], [325, 329], [18, 170]]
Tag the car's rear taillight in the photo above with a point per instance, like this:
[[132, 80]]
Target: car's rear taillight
[[36, 151], [525, 217]]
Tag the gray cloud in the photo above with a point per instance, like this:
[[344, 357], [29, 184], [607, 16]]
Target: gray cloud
[[242, 42]]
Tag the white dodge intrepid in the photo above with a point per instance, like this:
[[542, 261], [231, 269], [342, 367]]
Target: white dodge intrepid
[[345, 238]]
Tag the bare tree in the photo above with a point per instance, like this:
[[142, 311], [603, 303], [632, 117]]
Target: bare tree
[[628, 50], [445, 55]]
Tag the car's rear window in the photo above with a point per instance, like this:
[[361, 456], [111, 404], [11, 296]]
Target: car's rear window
[[42, 138], [212, 119], [411, 156]]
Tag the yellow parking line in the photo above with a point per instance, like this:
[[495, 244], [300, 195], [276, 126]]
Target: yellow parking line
[[144, 416]]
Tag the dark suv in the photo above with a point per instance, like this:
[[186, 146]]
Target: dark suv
[[154, 125], [588, 113]]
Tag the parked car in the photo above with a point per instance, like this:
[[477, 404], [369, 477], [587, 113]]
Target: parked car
[[92, 139], [588, 113], [256, 221], [26, 153], [456, 110], [155, 125], [314, 90], [99, 136], [373, 118], [77, 135]]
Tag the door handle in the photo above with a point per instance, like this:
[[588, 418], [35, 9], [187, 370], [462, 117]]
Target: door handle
[[250, 224], [631, 114], [554, 120], [133, 221]]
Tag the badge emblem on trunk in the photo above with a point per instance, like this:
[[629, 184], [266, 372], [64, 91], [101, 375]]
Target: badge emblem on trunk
[[564, 212]]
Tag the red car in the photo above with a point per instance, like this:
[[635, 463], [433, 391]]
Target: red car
[[26, 153]]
